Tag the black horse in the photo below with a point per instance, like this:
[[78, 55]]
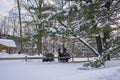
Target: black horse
[[63, 57], [49, 57]]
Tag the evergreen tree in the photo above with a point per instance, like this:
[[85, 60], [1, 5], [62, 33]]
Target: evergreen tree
[[40, 11]]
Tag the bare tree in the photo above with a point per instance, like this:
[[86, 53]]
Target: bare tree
[[20, 22], [13, 22], [5, 25]]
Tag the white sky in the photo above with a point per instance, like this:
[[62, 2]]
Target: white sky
[[5, 6]]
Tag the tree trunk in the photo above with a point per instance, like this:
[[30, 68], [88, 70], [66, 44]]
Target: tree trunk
[[39, 45], [19, 11], [106, 36], [99, 44]]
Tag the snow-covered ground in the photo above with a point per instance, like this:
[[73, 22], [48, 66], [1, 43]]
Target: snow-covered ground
[[36, 70]]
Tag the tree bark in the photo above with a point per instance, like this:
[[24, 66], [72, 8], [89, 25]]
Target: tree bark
[[19, 11], [99, 44], [39, 45], [106, 36]]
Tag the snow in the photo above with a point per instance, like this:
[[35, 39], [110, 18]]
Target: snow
[[6, 55], [7, 42], [37, 70]]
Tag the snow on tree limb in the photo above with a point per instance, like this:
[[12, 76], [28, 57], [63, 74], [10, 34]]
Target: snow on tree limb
[[88, 45]]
